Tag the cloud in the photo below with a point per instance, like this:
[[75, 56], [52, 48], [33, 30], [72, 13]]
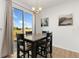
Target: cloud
[[14, 16], [20, 21], [27, 24]]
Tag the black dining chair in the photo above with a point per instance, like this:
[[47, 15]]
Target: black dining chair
[[45, 46], [28, 32], [22, 47], [44, 31]]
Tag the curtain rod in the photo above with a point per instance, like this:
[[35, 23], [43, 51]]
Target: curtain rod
[[22, 6]]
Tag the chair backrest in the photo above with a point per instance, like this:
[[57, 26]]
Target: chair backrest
[[48, 41], [20, 44], [44, 32], [29, 33], [20, 36], [20, 39], [49, 36]]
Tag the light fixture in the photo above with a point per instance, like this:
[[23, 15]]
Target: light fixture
[[33, 9], [40, 8], [36, 9]]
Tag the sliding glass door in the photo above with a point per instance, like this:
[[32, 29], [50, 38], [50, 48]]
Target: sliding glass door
[[22, 23], [17, 22], [27, 23]]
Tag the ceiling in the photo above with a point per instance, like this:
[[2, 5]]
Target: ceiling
[[41, 3]]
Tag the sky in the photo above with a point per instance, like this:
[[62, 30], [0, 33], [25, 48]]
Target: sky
[[19, 15]]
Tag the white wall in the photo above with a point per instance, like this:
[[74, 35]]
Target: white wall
[[66, 37], [2, 21], [38, 25]]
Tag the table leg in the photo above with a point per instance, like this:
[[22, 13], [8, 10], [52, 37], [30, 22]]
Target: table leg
[[34, 52], [51, 47]]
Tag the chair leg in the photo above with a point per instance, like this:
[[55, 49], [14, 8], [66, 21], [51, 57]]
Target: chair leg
[[41, 52], [50, 55], [24, 53], [18, 54], [51, 49], [28, 54], [18, 51], [45, 53], [37, 50]]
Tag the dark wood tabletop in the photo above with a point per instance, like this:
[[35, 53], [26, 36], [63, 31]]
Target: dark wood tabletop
[[34, 37]]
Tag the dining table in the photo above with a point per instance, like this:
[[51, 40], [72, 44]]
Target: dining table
[[34, 39]]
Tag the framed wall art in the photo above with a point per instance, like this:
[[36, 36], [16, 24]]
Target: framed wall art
[[44, 22], [66, 20]]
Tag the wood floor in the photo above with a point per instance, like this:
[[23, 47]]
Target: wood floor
[[57, 53], [62, 53]]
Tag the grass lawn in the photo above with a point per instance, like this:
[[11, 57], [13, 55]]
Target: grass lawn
[[19, 31]]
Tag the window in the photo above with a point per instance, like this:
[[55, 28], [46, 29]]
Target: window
[[21, 19], [27, 23]]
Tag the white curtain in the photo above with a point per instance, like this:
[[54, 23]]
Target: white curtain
[[7, 46]]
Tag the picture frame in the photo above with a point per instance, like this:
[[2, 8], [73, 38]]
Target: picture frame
[[66, 20], [44, 22]]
